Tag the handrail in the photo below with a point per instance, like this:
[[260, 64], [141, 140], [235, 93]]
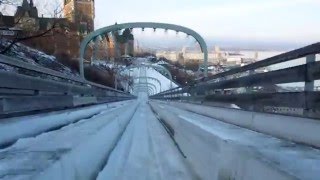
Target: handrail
[[291, 55], [20, 64], [259, 90]]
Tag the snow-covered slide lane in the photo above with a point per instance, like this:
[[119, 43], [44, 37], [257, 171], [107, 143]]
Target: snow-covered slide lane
[[218, 150], [87, 159], [30, 156], [12, 129], [146, 151]]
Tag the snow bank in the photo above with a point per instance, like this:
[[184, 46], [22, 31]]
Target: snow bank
[[34, 57]]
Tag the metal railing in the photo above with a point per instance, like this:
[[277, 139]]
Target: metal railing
[[38, 88], [260, 90]]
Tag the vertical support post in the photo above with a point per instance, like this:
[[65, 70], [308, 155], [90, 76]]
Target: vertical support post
[[126, 46], [309, 85], [251, 88], [128, 81], [116, 81], [205, 63], [95, 49], [81, 66]]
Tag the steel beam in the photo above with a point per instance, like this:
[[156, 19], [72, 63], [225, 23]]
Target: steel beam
[[117, 27]]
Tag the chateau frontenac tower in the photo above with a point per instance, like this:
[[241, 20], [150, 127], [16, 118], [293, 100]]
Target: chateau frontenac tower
[[81, 13]]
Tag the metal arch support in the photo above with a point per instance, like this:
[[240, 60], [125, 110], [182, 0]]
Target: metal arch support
[[148, 65], [144, 65], [147, 89], [155, 66], [147, 84], [152, 78], [150, 90], [153, 88], [96, 41], [153, 25]]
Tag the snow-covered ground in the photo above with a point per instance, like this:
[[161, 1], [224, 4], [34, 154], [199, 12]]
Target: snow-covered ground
[[34, 57]]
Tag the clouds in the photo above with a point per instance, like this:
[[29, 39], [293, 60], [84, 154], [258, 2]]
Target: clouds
[[240, 19], [295, 20]]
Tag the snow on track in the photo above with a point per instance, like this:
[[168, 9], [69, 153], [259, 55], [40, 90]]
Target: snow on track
[[14, 128], [30, 156], [165, 82], [151, 72], [299, 161], [86, 160], [145, 151]]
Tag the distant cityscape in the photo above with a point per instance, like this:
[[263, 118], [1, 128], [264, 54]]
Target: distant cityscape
[[217, 56]]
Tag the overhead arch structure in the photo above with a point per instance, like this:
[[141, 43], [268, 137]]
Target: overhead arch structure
[[146, 84], [100, 32], [151, 89], [151, 78], [149, 66], [159, 67], [145, 89]]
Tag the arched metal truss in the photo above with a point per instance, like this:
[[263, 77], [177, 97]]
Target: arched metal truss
[[146, 84], [152, 78], [98, 33], [146, 89], [151, 90], [149, 66]]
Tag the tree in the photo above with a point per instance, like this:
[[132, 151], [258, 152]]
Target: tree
[[56, 11], [9, 2]]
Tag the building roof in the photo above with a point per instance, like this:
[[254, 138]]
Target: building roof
[[7, 21], [45, 23], [28, 8]]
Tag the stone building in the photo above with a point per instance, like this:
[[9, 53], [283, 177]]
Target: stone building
[[81, 13], [67, 33], [64, 40]]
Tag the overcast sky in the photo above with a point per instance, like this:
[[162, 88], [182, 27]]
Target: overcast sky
[[286, 20], [263, 20]]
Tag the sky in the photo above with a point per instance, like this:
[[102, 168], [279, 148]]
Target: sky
[[264, 20], [289, 21]]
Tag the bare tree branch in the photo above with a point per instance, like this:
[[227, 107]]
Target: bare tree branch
[[9, 2], [57, 10], [16, 40]]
